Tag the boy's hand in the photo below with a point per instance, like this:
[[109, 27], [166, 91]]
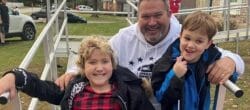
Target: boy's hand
[[221, 70], [180, 67], [64, 80]]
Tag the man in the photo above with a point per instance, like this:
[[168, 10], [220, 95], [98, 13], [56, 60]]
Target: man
[[140, 45], [5, 21]]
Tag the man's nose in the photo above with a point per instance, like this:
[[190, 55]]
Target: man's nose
[[152, 21]]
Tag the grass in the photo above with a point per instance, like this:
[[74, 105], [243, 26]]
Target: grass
[[13, 53]]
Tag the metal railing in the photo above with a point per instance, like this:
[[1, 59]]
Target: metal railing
[[50, 44]]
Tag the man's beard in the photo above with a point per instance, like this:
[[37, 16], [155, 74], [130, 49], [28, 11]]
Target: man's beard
[[155, 40]]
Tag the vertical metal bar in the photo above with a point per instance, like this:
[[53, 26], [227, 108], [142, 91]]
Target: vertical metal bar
[[248, 14], [16, 104], [48, 10], [57, 26], [222, 89], [133, 15], [237, 43], [66, 31], [221, 98], [225, 15], [228, 18]]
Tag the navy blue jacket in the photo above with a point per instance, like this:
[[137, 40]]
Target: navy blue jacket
[[192, 90]]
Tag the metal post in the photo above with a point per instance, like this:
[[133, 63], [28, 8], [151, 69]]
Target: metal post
[[210, 5], [66, 31], [57, 26], [237, 43], [248, 14], [228, 18], [48, 10], [225, 15]]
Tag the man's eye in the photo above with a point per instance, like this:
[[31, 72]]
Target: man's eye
[[158, 15], [145, 17]]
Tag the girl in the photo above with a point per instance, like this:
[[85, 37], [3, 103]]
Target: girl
[[101, 85]]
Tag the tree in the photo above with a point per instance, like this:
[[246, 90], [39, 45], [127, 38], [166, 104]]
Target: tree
[[95, 7]]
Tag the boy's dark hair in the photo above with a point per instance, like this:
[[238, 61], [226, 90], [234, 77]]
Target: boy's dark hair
[[200, 21]]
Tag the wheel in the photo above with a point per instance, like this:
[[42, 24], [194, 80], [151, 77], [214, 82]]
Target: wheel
[[29, 32]]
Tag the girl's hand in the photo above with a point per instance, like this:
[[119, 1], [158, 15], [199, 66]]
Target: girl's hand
[[7, 84]]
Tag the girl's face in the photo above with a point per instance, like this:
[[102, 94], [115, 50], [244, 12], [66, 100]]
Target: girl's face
[[98, 69], [193, 44]]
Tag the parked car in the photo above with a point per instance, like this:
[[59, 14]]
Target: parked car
[[21, 25], [39, 14], [84, 8], [72, 18]]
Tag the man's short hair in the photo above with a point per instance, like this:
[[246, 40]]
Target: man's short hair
[[164, 1]]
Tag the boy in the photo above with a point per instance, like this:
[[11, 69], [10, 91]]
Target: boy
[[179, 78], [101, 86]]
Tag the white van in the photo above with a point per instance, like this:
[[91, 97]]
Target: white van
[[21, 25], [84, 8]]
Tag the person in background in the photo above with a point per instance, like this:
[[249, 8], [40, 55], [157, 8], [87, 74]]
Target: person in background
[[140, 45], [16, 9], [5, 20], [174, 5], [101, 85], [180, 74]]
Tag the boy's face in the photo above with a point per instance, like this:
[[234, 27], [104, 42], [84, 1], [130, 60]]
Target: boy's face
[[193, 44], [98, 69]]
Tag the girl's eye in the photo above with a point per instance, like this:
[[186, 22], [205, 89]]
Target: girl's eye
[[92, 62], [106, 61]]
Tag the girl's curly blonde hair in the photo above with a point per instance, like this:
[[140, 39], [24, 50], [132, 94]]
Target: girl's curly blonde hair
[[88, 45]]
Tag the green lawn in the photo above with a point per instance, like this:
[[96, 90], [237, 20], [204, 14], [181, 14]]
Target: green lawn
[[13, 53]]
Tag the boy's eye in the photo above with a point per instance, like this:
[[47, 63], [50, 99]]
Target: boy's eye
[[199, 41], [187, 38]]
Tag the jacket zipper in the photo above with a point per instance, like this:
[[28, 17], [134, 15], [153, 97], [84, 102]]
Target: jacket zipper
[[123, 102]]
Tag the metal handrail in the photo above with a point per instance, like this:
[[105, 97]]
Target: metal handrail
[[51, 53]]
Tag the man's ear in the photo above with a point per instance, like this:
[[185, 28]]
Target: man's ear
[[169, 13]]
